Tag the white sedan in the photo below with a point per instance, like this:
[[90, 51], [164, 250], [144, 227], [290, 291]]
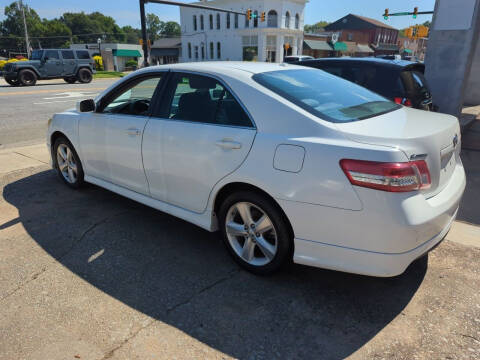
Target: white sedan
[[289, 163]]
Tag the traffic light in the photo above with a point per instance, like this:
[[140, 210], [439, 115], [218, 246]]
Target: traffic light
[[385, 16], [249, 14], [415, 12], [262, 17], [422, 31]]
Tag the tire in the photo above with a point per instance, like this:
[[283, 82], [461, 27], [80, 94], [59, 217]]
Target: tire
[[27, 77], [260, 251], [70, 80], [67, 163], [85, 76], [12, 82]]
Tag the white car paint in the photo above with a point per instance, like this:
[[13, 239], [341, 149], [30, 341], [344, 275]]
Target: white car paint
[[180, 167]]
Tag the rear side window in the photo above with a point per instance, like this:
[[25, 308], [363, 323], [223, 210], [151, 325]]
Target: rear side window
[[83, 54], [415, 82], [203, 99], [68, 54], [52, 54], [326, 96]]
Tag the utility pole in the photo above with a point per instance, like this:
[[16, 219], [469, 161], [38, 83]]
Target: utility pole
[[27, 41]]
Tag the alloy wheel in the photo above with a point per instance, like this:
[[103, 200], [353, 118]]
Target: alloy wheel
[[251, 234], [66, 163]]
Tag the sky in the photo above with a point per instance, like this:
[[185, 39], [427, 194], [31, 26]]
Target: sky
[[126, 12]]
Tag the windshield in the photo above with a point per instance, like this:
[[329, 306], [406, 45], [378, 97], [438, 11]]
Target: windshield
[[326, 96], [36, 55]]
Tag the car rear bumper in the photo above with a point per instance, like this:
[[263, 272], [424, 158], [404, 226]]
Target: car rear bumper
[[362, 262], [383, 238]]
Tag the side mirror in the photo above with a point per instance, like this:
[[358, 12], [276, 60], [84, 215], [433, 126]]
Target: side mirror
[[86, 105]]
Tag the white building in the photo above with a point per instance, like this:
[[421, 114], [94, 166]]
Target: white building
[[210, 35]]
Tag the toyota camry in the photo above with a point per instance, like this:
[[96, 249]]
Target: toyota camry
[[288, 163]]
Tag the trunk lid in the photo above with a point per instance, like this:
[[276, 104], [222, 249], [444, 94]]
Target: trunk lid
[[419, 134]]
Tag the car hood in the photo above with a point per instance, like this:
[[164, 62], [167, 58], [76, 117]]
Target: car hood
[[29, 62], [419, 134]]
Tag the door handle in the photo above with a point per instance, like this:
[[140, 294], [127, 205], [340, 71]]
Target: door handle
[[228, 144], [133, 132]]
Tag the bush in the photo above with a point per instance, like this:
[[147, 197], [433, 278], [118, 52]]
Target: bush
[[98, 62], [131, 63]]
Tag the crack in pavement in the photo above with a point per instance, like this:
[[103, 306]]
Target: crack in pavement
[[230, 275], [47, 267], [30, 157]]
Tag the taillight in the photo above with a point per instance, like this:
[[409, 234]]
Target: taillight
[[403, 101], [392, 177]]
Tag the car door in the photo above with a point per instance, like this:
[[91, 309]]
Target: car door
[[111, 137], [68, 62], [203, 134], [53, 65]]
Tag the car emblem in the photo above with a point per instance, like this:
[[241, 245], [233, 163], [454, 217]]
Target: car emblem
[[455, 141]]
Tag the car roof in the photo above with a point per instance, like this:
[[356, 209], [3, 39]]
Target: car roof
[[370, 60], [225, 67]]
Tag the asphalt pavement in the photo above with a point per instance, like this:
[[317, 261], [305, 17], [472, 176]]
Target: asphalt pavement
[[24, 111]]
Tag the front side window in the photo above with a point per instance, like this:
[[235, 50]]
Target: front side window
[[135, 100], [326, 96], [52, 54], [67, 55], [36, 55], [203, 99]]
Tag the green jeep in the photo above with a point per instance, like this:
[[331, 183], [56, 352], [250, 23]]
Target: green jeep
[[71, 65]]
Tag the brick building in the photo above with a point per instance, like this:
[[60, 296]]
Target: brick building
[[366, 31]]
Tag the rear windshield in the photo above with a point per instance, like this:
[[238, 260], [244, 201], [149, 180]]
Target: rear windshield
[[326, 96]]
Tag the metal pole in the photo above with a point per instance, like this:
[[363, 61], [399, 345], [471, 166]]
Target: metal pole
[[27, 41], [144, 33]]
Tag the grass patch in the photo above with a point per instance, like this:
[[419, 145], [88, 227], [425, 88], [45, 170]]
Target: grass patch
[[108, 74]]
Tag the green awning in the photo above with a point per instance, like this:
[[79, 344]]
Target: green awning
[[126, 53], [340, 46], [408, 51]]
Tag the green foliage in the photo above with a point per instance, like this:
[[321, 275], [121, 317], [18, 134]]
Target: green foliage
[[73, 28], [108, 74], [131, 63], [316, 28]]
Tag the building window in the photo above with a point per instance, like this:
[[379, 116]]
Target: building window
[[196, 52], [255, 19], [297, 21], [236, 21], [287, 20], [194, 22], [250, 48], [210, 19], [218, 22], [189, 50], [203, 52], [228, 21], [349, 37], [272, 19], [201, 22], [212, 56], [219, 50]]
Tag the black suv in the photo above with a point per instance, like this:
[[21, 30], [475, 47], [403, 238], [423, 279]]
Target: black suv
[[400, 81], [71, 65]]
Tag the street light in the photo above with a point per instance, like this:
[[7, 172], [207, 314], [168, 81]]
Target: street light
[[99, 42]]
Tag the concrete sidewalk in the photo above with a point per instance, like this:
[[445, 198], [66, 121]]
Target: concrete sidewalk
[[15, 159]]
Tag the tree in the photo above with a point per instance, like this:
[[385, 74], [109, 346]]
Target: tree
[[316, 28], [131, 35], [427, 24], [154, 26], [170, 28]]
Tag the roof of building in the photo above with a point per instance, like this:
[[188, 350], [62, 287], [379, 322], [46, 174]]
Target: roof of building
[[317, 45], [356, 22], [172, 42]]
